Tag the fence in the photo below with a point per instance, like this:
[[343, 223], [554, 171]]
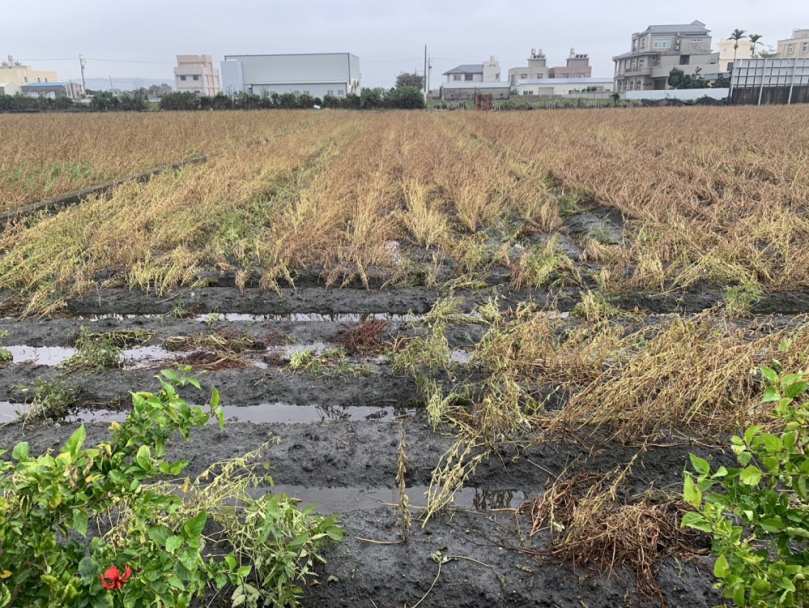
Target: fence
[[769, 81]]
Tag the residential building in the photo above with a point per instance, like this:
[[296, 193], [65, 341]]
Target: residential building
[[791, 48], [536, 69], [476, 72], [658, 49], [549, 87], [15, 72], [727, 53], [463, 91], [318, 75], [9, 88], [53, 89], [196, 74], [577, 66]]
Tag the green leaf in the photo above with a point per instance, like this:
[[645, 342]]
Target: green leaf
[[80, 521], [88, 569], [159, 534], [144, 458], [790, 379], [750, 434], [171, 375], [75, 442], [192, 529], [751, 476], [769, 374], [799, 532], [772, 524], [797, 389], [690, 520], [700, 465], [102, 601], [173, 543], [721, 567], [691, 493], [20, 452], [215, 399], [770, 394]]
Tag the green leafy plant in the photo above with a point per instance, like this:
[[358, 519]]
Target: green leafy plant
[[740, 299], [51, 398], [758, 512], [48, 502], [95, 352], [5, 354]]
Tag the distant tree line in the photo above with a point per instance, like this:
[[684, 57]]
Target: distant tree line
[[404, 98], [400, 98]]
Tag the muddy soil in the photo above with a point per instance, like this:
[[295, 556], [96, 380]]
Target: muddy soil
[[349, 468]]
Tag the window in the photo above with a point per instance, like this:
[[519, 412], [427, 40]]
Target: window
[[685, 59], [456, 76], [662, 43], [641, 61], [340, 93], [523, 76], [468, 76], [805, 47], [330, 92], [634, 45], [306, 92], [26, 78], [791, 49], [196, 77], [643, 43], [182, 77], [297, 92], [46, 80], [497, 76]]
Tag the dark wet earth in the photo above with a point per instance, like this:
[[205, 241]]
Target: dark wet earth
[[337, 445]]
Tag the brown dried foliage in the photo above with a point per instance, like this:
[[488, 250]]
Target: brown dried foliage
[[364, 339]]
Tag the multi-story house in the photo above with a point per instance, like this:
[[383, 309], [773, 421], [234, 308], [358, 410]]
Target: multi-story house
[[536, 69], [745, 50], [475, 72], [577, 66], [658, 49], [196, 74], [795, 47], [16, 73]]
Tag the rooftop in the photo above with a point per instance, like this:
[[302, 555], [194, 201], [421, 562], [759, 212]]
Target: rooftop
[[695, 27], [45, 84], [469, 68]]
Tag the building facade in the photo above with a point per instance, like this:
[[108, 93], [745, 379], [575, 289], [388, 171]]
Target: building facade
[[658, 49], [14, 72], [9, 88], [549, 87], [464, 91], [536, 69], [796, 47], [727, 53], [318, 75], [488, 71], [576, 66], [53, 90], [196, 74]]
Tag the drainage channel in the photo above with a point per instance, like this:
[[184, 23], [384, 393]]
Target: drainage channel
[[266, 413], [328, 501], [259, 318]]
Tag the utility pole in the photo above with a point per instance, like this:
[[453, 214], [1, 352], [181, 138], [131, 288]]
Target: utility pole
[[425, 73], [112, 89], [82, 63]]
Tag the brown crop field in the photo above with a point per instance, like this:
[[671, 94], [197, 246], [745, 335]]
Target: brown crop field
[[488, 341]]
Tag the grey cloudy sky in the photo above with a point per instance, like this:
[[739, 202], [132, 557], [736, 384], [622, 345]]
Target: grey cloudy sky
[[388, 35]]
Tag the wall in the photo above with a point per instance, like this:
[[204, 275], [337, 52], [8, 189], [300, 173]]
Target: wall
[[22, 74], [292, 69], [770, 95], [682, 94]]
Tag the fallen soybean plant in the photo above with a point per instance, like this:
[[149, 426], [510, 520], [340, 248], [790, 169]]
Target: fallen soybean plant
[[155, 550]]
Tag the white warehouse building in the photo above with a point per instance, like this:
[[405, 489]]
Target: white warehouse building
[[317, 74]]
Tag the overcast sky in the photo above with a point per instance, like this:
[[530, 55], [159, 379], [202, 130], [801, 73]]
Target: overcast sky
[[142, 38]]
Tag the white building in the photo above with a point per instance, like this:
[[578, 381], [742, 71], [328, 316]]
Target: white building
[[547, 87], [196, 74], [318, 75], [9, 88], [475, 72], [463, 91]]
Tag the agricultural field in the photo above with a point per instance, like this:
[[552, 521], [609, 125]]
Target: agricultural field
[[488, 342]]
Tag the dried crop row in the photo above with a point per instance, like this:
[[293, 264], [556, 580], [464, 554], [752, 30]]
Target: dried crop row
[[716, 195], [46, 155], [155, 235]]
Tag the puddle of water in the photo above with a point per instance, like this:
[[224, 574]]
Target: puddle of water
[[461, 356], [312, 317], [343, 500], [56, 355], [272, 413]]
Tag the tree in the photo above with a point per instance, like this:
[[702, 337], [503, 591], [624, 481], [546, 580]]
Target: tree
[[405, 98], [768, 53], [722, 82], [736, 36], [680, 80], [371, 98], [405, 79], [754, 38]]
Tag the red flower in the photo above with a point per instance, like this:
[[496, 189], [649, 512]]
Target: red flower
[[113, 579]]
